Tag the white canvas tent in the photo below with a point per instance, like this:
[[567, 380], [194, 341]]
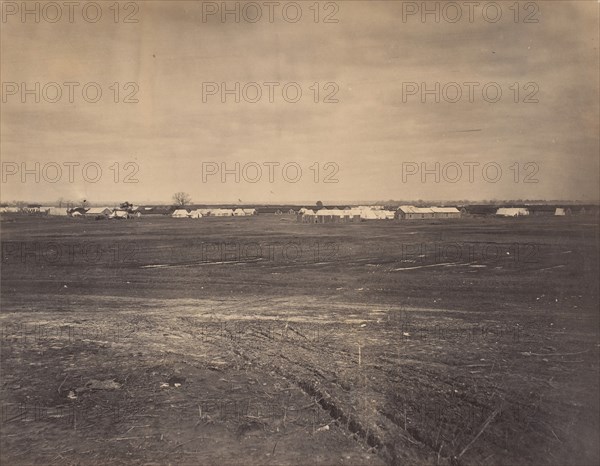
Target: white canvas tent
[[222, 212], [119, 214], [368, 214], [180, 213], [561, 212]]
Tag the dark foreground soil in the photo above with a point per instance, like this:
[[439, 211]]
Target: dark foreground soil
[[264, 341]]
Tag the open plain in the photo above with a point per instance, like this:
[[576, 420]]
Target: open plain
[[261, 340]]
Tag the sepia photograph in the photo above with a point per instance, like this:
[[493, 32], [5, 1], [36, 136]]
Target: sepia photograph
[[349, 232]]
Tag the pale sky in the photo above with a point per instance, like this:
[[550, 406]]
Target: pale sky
[[371, 133]]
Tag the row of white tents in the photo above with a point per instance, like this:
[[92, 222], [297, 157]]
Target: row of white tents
[[411, 212], [62, 211], [346, 215], [405, 212], [109, 212], [199, 213], [96, 212], [177, 213], [523, 212], [307, 215], [375, 213]]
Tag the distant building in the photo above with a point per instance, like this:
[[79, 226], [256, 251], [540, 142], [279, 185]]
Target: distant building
[[512, 212], [352, 215], [303, 215], [409, 212], [343, 214], [98, 212], [480, 210], [329, 216], [541, 210], [57, 211], [446, 212]]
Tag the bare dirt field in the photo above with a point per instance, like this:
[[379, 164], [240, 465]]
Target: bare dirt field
[[265, 341]]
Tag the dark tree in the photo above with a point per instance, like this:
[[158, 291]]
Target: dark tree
[[181, 199]]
